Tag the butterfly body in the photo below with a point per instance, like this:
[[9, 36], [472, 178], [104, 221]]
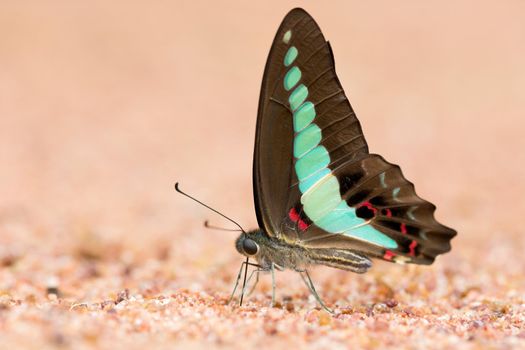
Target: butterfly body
[[270, 251]]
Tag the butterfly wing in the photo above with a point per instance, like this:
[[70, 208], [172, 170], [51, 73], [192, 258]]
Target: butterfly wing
[[385, 217], [298, 43], [315, 183]]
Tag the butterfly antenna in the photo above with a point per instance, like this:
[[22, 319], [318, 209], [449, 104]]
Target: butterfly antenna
[[207, 225], [207, 206]]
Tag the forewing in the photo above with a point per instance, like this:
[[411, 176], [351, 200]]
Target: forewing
[[299, 85]]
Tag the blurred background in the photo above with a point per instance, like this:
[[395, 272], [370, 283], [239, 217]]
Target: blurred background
[[104, 105]]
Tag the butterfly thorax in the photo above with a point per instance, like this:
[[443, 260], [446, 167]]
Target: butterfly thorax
[[268, 250]]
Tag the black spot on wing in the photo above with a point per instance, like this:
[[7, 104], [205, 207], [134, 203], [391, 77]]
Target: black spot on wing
[[358, 197], [348, 181], [365, 213], [378, 201]]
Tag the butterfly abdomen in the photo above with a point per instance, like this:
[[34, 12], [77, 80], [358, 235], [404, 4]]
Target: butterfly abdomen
[[340, 259]]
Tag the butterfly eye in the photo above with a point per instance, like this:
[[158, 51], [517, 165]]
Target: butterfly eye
[[249, 246]]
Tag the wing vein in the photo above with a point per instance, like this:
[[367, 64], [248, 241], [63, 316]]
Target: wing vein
[[280, 103], [347, 142], [340, 91]]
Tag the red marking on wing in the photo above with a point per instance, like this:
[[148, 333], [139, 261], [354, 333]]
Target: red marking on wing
[[369, 206], [293, 215], [302, 225], [388, 255], [412, 247], [388, 212], [404, 228]]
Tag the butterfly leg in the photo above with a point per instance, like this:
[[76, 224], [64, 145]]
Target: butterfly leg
[[311, 287], [238, 279], [255, 283], [256, 273], [236, 283], [273, 284]]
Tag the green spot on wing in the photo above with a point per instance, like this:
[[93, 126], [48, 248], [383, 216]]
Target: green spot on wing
[[321, 198], [382, 180], [311, 180], [306, 140], [287, 36], [303, 116], [312, 162], [298, 96], [370, 234], [290, 56], [292, 77], [344, 220], [410, 213], [395, 192], [340, 219]]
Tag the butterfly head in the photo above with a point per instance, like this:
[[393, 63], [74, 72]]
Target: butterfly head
[[247, 245]]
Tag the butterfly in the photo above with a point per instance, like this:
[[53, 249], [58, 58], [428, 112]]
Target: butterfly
[[321, 198]]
